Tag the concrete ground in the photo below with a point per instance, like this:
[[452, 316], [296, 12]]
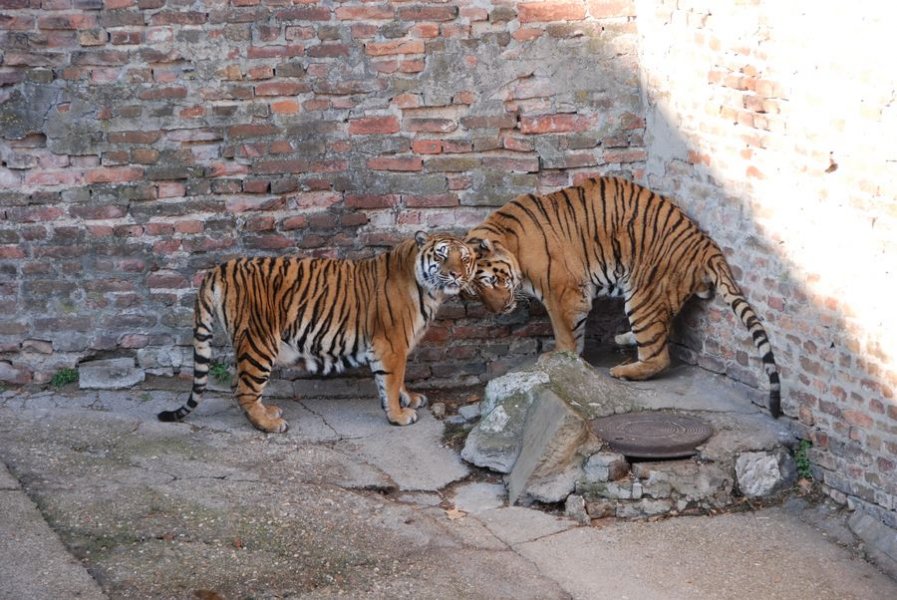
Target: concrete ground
[[102, 501]]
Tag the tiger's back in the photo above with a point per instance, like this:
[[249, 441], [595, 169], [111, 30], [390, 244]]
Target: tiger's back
[[325, 315], [609, 236]]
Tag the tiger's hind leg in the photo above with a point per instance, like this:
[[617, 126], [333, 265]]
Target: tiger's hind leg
[[650, 317], [253, 371]]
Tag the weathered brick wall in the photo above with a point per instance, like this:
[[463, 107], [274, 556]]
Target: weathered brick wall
[[775, 125], [142, 141]]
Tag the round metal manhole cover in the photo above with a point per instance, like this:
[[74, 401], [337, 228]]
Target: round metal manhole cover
[[652, 434]]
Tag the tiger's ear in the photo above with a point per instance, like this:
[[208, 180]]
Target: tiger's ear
[[421, 237], [481, 246]]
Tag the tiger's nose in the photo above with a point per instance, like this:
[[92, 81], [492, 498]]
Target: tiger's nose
[[455, 274]]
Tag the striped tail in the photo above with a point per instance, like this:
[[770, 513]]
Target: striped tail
[[725, 284], [203, 321]]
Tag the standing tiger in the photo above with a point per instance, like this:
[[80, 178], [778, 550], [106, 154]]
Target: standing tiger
[[608, 236], [326, 314]]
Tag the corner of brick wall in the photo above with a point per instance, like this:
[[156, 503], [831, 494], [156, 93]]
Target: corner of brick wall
[[777, 136]]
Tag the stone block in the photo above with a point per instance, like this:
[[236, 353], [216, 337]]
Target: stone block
[[495, 442], [761, 474], [110, 374], [550, 461], [605, 466]]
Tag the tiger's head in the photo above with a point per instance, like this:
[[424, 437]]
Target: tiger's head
[[444, 263], [497, 279]]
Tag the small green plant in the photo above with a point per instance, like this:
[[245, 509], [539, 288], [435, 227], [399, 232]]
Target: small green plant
[[64, 377], [219, 372], [802, 459]]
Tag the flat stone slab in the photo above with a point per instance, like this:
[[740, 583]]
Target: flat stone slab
[[478, 497], [35, 565], [111, 374], [746, 557]]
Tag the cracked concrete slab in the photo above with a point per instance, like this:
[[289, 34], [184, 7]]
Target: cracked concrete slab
[[749, 555], [343, 505]]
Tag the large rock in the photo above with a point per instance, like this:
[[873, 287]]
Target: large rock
[[110, 374], [495, 442], [551, 459], [764, 473]]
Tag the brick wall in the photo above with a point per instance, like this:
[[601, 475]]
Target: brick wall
[[142, 141], [775, 125]]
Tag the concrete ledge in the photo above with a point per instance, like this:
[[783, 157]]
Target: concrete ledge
[[33, 562]]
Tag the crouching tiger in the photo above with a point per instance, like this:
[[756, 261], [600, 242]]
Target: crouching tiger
[[608, 236], [325, 314]]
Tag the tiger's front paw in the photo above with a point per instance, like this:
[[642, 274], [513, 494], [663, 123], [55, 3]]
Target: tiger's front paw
[[413, 400], [403, 416]]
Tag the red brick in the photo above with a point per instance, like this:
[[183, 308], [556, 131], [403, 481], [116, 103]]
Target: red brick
[[73, 21], [99, 212], [134, 137], [52, 178], [250, 131], [386, 67], [285, 107], [429, 125], [434, 201], [11, 251], [178, 18], [171, 189], [426, 146], [603, 9], [550, 11], [428, 13], [303, 14], [319, 198], [113, 175], [473, 13], [189, 226], [144, 156], [365, 13], [394, 47], [163, 93], [556, 123], [425, 30], [394, 163], [256, 186], [328, 51], [527, 34], [259, 73], [371, 201], [353, 219], [374, 125], [296, 222], [412, 66], [511, 163], [275, 51], [280, 88], [625, 155]]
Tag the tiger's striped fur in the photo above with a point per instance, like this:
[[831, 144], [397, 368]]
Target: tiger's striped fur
[[609, 236], [325, 314]]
